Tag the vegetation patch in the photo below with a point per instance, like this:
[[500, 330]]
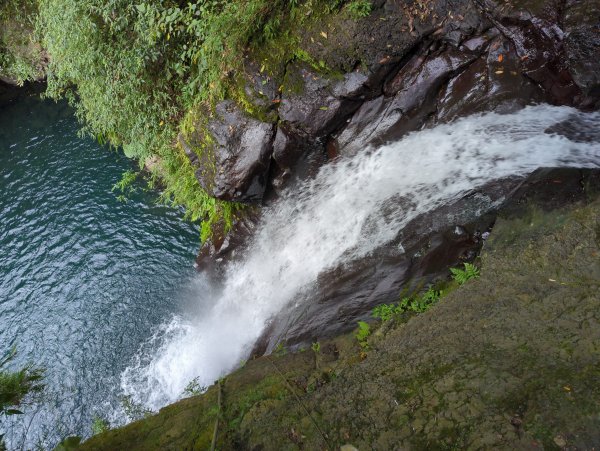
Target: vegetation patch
[[21, 55], [423, 302], [135, 71]]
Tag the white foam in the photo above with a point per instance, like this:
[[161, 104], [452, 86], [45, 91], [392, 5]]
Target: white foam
[[352, 207]]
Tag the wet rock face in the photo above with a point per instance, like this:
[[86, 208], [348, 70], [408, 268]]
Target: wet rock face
[[233, 156], [421, 254], [582, 42], [406, 66]]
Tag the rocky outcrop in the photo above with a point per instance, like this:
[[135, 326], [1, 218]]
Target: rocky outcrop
[[232, 153], [407, 65], [508, 361]]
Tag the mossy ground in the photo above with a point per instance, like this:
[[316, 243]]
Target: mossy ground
[[508, 361]]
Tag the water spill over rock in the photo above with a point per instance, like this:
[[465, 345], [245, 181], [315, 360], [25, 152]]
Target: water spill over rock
[[350, 212]]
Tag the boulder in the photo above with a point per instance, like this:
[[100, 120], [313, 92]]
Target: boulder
[[232, 153]]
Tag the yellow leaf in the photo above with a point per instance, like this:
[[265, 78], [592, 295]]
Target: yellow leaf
[[324, 34]]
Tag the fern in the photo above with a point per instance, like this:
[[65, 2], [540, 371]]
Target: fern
[[386, 312], [461, 276]]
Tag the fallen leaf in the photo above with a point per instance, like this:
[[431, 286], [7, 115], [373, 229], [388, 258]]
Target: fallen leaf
[[324, 34], [500, 58]]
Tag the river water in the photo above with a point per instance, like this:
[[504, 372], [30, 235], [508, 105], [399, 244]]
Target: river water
[[84, 278]]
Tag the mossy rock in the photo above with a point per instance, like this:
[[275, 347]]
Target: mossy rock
[[507, 361]]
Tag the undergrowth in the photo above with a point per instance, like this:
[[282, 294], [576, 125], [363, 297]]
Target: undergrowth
[[418, 304], [134, 70], [20, 53], [461, 276], [423, 302]]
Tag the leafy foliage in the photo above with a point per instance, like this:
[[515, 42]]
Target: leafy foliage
[[134, 410], [419, 304], [364, 331], [462, 276], [15, 386], [20, 53], [194, 388], [359, 8], [134, 71], [99, 425]]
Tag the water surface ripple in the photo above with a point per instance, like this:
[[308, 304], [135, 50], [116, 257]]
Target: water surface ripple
[[83, 277]]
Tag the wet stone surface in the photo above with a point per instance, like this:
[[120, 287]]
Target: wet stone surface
[[507, 361]]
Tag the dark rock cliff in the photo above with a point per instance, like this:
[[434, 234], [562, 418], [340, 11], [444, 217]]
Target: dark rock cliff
[[410, 64]]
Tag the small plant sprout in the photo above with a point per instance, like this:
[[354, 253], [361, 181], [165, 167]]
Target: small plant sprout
[[194, 388], [359, 8], [316, 347], [99, 425], [364, 330], [461, 276]]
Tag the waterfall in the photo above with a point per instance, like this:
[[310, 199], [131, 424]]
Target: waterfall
[[352, 207]]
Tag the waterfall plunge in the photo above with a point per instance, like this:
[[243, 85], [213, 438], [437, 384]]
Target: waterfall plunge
[[337, 217]]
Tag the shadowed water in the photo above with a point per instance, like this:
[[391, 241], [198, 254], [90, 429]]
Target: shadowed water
[[84, 278]]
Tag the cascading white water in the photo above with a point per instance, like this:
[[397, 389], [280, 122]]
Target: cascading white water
[[339, 217]]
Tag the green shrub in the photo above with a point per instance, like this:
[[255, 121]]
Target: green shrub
[[194, 388], [420, 304], [386, 312], [425, 301], [134, 70], [20, 51], [99, 425]]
